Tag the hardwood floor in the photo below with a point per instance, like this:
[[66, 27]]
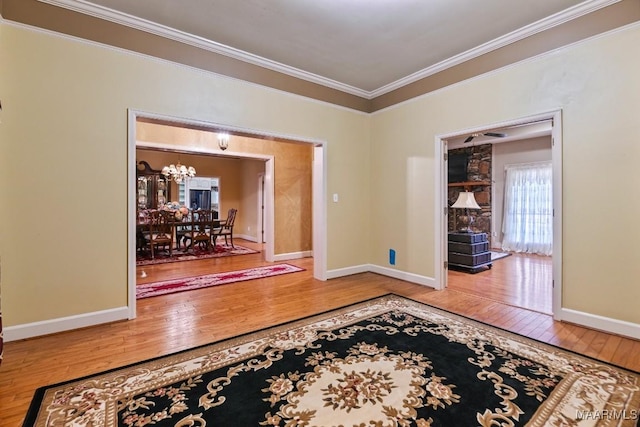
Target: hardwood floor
[[521, 280], [183, 320]]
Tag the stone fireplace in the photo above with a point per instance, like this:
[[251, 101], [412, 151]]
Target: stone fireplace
[[479, 182]]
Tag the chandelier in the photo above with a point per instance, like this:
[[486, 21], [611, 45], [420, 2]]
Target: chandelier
[[178, 172]]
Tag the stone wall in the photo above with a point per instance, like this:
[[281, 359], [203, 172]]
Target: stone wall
[[478, 170]]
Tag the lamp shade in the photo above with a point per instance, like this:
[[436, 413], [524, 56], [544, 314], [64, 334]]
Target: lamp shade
[[466, 201]]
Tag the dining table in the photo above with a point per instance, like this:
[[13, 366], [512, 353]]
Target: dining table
[[179, 225]]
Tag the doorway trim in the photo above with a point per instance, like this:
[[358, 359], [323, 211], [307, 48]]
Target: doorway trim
[[441, 202], [318, 188], [260, 223]]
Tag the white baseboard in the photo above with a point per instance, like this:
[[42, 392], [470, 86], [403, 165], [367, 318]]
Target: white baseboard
[[292, 255], [35, 329], [403, 275], [30, 330], [601, 323], [385, 271], [348, 271]]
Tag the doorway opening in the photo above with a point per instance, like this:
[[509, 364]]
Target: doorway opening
[[318, 171], [442, 201]]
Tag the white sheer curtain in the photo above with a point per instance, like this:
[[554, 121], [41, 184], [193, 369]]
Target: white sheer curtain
[[527, 223]]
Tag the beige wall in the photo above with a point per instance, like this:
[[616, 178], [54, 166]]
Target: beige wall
[[596, 85], [64, 134], [64, 145]]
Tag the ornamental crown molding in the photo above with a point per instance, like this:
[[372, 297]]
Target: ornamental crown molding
[[87, 8]]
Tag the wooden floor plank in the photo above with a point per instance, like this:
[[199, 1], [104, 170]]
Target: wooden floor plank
[[184, 320]]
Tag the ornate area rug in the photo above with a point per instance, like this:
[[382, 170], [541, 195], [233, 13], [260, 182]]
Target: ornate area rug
[[186, 284], [184, 255], [389, 361]]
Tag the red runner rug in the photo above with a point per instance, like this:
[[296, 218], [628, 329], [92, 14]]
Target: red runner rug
[[182, 255], [190, 283]]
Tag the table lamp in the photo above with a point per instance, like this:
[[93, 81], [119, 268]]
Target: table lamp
[[466, 201]]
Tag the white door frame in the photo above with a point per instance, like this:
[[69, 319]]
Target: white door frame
[[441, 202], [319, 171], [319, 208], [261, 210]]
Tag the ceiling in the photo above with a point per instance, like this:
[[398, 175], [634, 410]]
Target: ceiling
[[363, 47]]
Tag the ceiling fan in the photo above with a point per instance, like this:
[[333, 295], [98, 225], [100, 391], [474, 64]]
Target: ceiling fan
[[492, 134]]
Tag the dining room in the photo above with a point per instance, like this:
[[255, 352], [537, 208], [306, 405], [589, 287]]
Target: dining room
[[175, 212], [233, 182]]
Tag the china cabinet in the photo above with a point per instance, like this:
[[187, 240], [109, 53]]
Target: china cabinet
[[153, 188]]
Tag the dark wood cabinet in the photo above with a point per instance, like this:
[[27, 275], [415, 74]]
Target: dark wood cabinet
[[469, 251], [153, 188]]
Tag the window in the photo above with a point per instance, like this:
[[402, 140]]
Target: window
[[528, 209]]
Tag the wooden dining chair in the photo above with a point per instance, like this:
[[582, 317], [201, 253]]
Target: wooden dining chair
[[182, 228], [142, 230], [160, 231], [225, 228], [200, 230]]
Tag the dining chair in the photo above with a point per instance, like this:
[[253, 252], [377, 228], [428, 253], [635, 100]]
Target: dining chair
[[182, 228], [225, 228], [200, 230], [160, 231], [142, 230]]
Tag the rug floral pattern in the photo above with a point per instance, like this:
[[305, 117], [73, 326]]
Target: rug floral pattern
[[385, 362]]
